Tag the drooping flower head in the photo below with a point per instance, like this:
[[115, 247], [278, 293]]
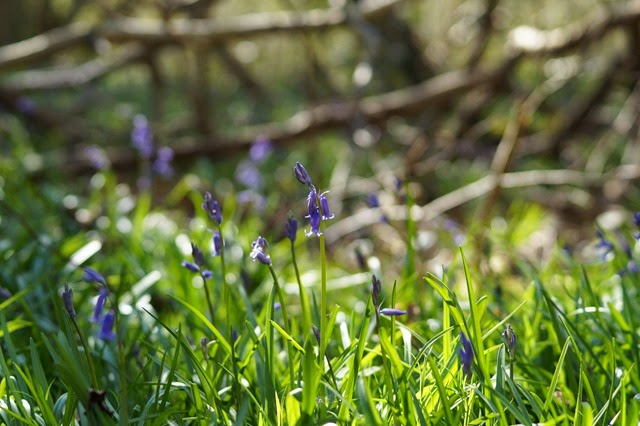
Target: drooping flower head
[[259, 251], [302, 175], [466, 355], [509, 337], [100, 302], [91, 275], [67, 300], [198, 256], [212, 208], [141, 136], [392, 312], [217, 244], [314, 220], [106, 331], [291, 228], [324, 206], [375, 290]]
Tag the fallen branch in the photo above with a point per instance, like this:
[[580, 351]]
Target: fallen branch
[[472, 191]]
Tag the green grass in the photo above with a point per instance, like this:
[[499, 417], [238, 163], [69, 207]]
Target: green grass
[[248, 361]]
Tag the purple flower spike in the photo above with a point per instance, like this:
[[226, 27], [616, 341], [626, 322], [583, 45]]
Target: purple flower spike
[[466, 355], [302, 175], [212, 208], [217, 244], [106, 331], [67, 299], [141, 136], [324, 205], [259, 251], [190, 266], [97, 311], [391, 312], [315, 221], [91, 275]]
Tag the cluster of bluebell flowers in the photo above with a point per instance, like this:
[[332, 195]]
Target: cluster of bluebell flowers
[[317, 204], [105, 321], [142, 141]]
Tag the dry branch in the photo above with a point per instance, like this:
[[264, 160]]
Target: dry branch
[[472, 191]]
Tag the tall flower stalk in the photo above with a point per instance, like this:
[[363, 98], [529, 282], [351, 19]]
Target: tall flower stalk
[[259, 250], [291, 228], [318, 210]]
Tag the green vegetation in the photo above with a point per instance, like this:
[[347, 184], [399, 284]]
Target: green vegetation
[[250, 356]]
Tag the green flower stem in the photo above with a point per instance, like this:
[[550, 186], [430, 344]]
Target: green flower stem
[[385, 362], [287, 326], [208, 297], [225, 287], [306, 315], [323, 302], [92, 370]]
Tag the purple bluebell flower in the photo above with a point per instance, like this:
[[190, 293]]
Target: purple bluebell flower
[[316, 332], [212, 208], [100, 302], [277, 306], [234, 336], [324, 206], [162, 163], [375, 290], [636, 219], [466, 355], [509, 337], [4, 293], [302, 175], [312, 202], [204, 346], [190, 266], [198, 256], [91, 275], [141, 136], [217, 244], [373, 201], [106, 331], [291, 228], [392, 312], [207, 274], [260, 150], [248, 174], [97, 157], [314, 220], [604, 245], [26, 105], [67, 300], [259, 251]]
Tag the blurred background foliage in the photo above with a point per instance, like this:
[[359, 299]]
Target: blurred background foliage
[[443, 96]]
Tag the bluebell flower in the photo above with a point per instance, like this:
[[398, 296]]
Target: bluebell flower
[[260, 150], [212, 208], [217, 244], [324, 206], [100, 302], [207, 274], [392, 312], [97, 157], [141, 136], [190, 266], [291, 228], [314, 220], [198, 256], [636, 219], [67, 300], [375, 290], [605, 245], [91, 275], [302, 175], [509, 337], [466, 355], [373, 201], [248, 174], [316, 332], [162, 163], [312, 202], [259, 251], [106, 331]]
